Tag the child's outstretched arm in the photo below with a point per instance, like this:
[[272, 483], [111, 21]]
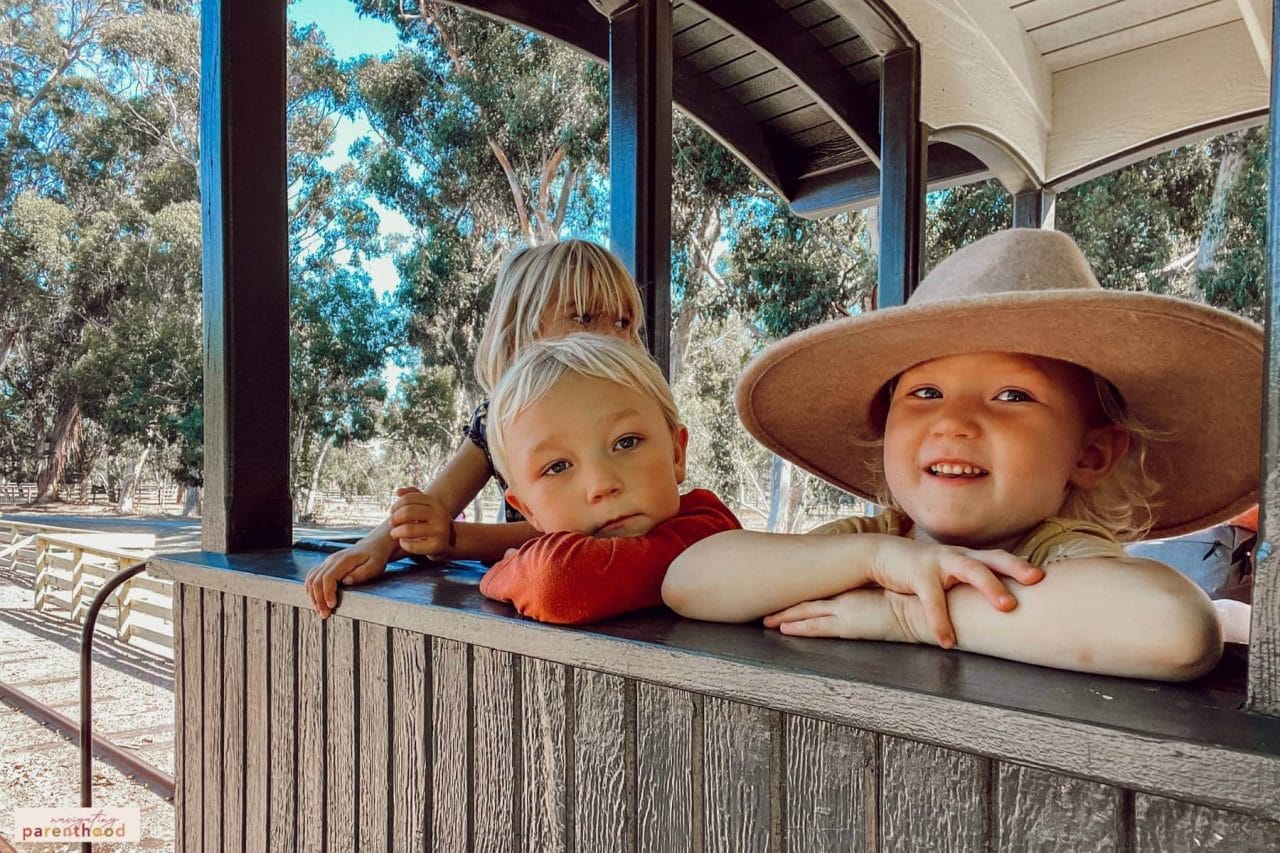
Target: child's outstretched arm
[[1108, 615], [742, 575], [421, 522]]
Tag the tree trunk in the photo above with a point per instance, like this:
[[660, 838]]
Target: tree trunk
[[130, 487], [778, 483], [1211, 236], [680, 335], [66, 434], [795, 499], [191, 502], [309, 508]]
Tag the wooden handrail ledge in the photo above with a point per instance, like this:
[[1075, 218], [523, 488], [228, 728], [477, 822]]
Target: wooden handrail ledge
[[1189, 741]]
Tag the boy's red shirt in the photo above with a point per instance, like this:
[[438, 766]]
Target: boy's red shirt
[[572, 578]]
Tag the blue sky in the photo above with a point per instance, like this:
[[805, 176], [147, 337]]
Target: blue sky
[[351, 35]]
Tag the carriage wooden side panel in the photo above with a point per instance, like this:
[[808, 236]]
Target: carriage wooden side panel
[[384, 737]]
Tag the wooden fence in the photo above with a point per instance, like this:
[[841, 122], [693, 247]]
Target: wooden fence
[[66, 568], [147, 494]]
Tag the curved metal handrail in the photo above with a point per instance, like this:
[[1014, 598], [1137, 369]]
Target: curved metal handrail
[[86, 685]]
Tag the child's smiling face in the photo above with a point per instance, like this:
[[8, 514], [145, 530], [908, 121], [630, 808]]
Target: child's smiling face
[[595, 457], [980, 448]]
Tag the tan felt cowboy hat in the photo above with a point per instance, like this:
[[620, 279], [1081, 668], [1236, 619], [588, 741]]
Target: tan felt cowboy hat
[[1191, 373]]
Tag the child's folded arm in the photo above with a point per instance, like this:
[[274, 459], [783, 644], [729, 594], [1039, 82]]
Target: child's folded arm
[[1112, 616], [741, 575], [480, 541], [572, 578]]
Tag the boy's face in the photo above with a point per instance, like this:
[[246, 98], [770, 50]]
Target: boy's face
[[595, 457], [980, 448]]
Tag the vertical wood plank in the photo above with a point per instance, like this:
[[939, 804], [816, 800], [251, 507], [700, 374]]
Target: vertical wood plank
[[829, 770], [212, 724], [375, 735], [931, 798], [602, 819], [1039, 810], [451, 765], [410, 758], [1161, 824], [283, 728], [180, 730], [544, 742], [1264, 631], [495, 760], [257, 712], [340, 733], [311, 731], [739, 776], [193, 724], [668, 773], [233, 707]]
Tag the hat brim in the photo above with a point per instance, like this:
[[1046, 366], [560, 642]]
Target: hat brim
[[1192, 374]]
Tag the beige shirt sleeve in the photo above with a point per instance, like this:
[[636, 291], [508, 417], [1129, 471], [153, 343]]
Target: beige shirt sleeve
[[1066, 539], [888, 522], [1052, 540]]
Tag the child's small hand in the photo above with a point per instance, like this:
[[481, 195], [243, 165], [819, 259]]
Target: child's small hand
[[860, 614], [928, 571], [421, 524], [356, 564], [919, 569]]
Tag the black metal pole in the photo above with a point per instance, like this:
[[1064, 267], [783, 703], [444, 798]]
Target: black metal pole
[[902, 178], [86, 685], [640, 65], [1264, 642]]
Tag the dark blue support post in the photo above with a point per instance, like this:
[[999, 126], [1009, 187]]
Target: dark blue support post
[[902, 178], [640, 155], [1264, 641], [1034, 209], [246, 275]]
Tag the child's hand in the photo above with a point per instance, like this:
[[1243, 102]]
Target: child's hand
[[926, 571], [421, 525], [357, 564]]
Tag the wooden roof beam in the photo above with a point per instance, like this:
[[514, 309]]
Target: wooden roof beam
[[794, 49], [982, 73], [1257, 18], [855, 187]]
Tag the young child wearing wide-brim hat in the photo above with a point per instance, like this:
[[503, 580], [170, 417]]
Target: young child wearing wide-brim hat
[[1017, 420]]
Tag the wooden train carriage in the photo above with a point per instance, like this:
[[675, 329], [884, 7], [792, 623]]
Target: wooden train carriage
[[424, 717]]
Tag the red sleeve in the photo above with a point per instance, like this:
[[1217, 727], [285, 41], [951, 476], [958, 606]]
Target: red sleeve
[[572, 578]]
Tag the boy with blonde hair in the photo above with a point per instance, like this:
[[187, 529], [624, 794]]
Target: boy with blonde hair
[[585, 431]]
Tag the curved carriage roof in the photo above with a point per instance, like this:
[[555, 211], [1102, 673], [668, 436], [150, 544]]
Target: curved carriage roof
[[1040, 93]]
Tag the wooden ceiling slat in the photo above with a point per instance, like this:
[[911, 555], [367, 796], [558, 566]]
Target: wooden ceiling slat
[[749, 89], [796, 119], [773, 95], [692, 55], [783, 39], [1039, 13], [823, 155], [694, 22], [1109, 20], [826, 134], [1200, 18]]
